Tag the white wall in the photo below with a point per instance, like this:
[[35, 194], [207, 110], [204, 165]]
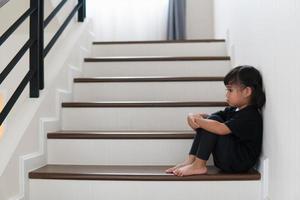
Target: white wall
[[146, 20], [199, 19], [265, 33], [117, 20]]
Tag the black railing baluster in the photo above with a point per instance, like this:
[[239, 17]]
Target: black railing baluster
[[15, 25], [15, 60], [35, 44], [13, 99], [41, 45], [82, 10], [61, 29], [34, 58], [54, 12], [3, 2]]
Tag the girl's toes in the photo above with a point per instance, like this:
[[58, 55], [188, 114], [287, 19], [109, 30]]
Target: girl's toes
[[170, 170], [176, 172]]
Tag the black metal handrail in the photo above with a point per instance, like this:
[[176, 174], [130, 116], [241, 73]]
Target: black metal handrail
[[35, 44]]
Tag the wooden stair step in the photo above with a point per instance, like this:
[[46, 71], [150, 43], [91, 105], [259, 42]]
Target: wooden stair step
[[121, 135], [158, 41], [133, 173], [144, 104], [145, 79], [155, 58]]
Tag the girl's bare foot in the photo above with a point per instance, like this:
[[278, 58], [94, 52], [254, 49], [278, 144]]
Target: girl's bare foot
[[190, 170], [197, 167], [172, 169], [188, 161]]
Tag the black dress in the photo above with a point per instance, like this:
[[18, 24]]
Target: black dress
[[238, 151]]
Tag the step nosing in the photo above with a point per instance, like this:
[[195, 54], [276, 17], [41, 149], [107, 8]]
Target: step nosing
[[145, 104], [139, 173], [156, 58], [147, 79], [159, 41], [137, 177], [120, 136]]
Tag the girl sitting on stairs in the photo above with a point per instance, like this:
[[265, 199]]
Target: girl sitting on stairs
[[233, 135]]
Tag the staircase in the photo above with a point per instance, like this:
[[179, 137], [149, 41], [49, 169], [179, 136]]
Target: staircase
[[127, 124]]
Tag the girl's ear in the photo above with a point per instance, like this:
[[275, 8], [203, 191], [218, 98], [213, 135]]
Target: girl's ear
[[247, 92]]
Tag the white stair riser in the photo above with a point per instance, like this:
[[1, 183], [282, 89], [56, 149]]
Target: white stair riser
[[146, 190], [189, 49], [152, 91], [160, 118], [118, 152], [158, 68]]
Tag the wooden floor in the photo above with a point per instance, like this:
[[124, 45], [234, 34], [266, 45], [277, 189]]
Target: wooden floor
[[137, 173]]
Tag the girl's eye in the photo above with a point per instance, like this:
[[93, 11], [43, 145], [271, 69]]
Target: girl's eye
[[229, 90]]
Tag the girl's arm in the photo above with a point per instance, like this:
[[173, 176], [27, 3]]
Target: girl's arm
[[212, 126]]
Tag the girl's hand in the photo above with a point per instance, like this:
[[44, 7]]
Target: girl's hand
[[198, 120], [203, 115], [191, 122]]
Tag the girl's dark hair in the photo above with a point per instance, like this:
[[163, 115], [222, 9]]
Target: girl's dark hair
[[248, 76]]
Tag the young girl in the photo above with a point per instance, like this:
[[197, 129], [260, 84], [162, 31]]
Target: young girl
[[234, 135]]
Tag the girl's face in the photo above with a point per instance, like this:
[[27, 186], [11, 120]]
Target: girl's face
[[238, 95]]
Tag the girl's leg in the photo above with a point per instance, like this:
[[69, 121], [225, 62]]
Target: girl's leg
[[196, 142], [223, 152], [205, 148], [192, 155], [206, 143]]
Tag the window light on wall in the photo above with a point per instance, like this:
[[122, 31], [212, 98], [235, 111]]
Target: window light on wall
[[119, 20]]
